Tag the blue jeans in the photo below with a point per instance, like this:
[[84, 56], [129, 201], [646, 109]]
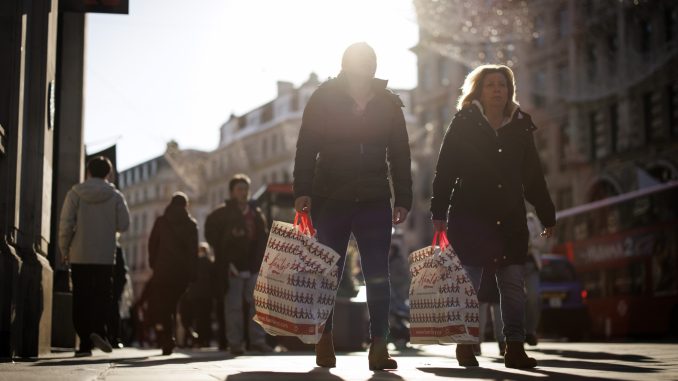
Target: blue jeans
[[533, 304], [510, 282], [239, 290], [491, 311], [370, 222]]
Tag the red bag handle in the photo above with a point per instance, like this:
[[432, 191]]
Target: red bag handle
[[303, 222], [441, 237]]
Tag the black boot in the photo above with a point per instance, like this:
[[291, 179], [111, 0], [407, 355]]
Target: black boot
[[165, 340], [465, 355], [168, 347], [531, 339], [516, 357]]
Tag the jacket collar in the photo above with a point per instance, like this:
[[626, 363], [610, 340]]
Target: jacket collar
[[377, 83], [232, 204], [507, 119]]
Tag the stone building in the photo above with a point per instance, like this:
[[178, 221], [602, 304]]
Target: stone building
[[260, 143], [601, 80]]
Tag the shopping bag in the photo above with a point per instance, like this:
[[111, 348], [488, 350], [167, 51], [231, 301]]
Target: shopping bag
[[443, 302], [297, 282]]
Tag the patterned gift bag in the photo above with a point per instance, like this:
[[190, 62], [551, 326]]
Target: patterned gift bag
[[297, 283], [443, 302]]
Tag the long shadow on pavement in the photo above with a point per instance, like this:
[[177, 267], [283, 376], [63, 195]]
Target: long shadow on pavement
[[140, 361], [86, 360], [317, 374], [493, 374], [597, 366], [596, 355], [590, 365]]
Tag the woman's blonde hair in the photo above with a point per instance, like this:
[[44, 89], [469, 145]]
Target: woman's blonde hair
[[473, 85]]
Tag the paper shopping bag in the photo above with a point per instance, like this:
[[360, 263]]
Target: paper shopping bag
[[297, 284], [443, 302]]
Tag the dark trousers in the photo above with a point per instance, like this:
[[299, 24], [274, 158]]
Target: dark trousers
[[221, 320], [92, 295], [162, 304], [370, 223], [203, 320], [114, 316], [196, 313]]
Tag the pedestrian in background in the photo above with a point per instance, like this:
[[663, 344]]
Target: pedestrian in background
[[352, 139], [93, 212], [172, 254], [239, 229], [119, 280], [215, 234], [196, 304], [489, 158]]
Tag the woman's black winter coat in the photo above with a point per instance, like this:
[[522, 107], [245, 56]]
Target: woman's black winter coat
[[484, 178]]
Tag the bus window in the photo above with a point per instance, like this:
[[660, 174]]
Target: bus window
[[629, 280], [666, 208], [665, 265], [642, 213], [613, 221], [581, 230]]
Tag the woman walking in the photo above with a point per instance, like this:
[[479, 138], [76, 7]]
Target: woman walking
[[489, 166], [173, 255]]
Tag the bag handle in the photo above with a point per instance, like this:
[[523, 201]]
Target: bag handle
[[302, 221], [440, 237]]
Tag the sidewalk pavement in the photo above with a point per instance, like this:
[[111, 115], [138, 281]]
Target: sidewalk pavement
[[558, 361]]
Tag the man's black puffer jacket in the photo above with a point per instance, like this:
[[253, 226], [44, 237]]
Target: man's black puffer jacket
[[343, 155]]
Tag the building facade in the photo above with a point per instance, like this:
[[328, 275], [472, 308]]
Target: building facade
[[260, 143], [42, 46]]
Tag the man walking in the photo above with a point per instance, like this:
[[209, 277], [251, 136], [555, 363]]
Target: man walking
[[238, 232], [352, 137], [93, 212]]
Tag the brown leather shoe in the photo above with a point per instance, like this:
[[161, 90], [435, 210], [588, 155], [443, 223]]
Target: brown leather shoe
[[516, 357], [378, 356], [324, 352], [465, 355]]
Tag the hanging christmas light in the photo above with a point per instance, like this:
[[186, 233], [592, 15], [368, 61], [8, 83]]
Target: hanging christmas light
[[473, 31]]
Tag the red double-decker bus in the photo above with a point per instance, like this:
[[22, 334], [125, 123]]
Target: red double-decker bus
[[625, 251]]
